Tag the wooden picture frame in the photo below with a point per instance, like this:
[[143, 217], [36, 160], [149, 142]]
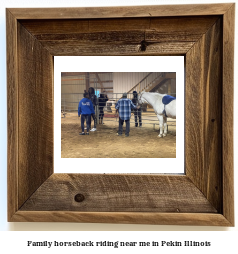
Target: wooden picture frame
[[204, 34]]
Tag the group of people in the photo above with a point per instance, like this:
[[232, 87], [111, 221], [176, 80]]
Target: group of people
[[86, 109]]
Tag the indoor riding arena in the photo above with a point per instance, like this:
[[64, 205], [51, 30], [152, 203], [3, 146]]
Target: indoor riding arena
[[143, 140]]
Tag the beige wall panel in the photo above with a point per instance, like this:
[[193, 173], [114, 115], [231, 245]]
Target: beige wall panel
[[124, 81], [72, 89]]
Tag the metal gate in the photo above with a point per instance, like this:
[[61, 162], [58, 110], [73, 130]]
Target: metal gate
[[147, 113]]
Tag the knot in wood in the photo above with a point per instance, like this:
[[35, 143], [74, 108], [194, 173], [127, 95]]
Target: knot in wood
[[79, 198], [143, 45]]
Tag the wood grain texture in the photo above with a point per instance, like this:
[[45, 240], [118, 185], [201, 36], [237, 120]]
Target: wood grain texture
[[121, 12], [228, 113], [190, 219], [119, 36], [189, 26], [115, 49], [117, 193], [35, 101], [12, 116], [204, 115]]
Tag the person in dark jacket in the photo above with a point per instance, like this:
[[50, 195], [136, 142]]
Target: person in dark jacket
[[137, 112], [101, 104], [94, 100], [85, 108]]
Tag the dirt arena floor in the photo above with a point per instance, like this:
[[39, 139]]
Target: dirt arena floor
[[104, 143]]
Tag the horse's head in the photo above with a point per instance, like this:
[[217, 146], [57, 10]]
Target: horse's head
[[141, 100]]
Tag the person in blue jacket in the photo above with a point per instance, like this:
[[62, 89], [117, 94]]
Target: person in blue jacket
[[85, 109]]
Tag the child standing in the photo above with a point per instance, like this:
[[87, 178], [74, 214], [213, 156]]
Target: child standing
[[85, 109], [102, 103]]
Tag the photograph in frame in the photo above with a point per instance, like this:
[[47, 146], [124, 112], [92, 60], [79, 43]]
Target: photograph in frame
[[144, 141]]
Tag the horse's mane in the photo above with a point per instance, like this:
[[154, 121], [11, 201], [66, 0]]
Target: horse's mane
[[152, 98]]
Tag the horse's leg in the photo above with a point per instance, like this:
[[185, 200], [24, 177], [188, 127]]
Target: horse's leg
[[160, 117], [165, 126]]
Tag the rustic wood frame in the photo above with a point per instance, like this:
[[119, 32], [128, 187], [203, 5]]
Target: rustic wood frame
[[204, 34]]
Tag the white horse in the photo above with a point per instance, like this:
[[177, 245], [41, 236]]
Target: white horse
[[161, 110]]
